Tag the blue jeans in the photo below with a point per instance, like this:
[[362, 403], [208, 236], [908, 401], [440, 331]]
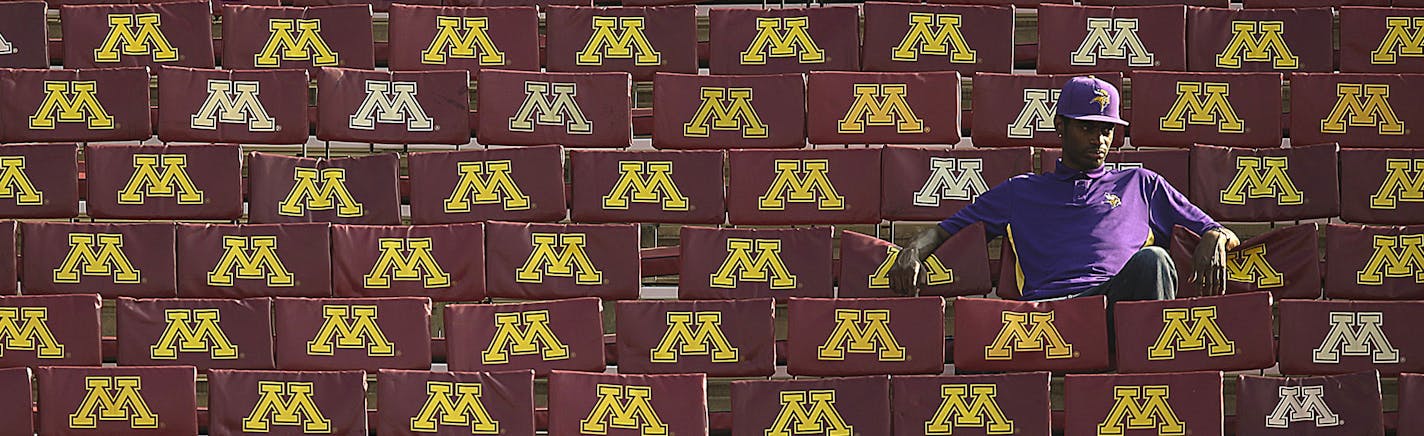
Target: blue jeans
[[1148, 275]]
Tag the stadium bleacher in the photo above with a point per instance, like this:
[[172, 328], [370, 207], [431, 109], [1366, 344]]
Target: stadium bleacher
[[672, 217]]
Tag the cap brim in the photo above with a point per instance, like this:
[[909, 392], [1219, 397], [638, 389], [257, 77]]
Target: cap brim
[[1096, 117]]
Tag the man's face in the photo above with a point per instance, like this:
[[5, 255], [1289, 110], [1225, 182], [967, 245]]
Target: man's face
[[1085, 143]]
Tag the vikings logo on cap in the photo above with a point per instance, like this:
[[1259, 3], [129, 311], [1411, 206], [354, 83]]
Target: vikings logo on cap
[[1101, 97]]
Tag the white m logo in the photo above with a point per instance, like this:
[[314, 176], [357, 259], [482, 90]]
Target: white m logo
[[233, 102], [1302, 403], [1356, 334], [390, 102], [945, 184], [1036, 115], [6, 47], [1112, 38]]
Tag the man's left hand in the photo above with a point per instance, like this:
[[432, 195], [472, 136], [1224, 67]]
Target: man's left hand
[[1209, 261]]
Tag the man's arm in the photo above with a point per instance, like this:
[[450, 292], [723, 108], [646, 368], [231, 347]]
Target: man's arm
[[1170, 208], [991, 208]]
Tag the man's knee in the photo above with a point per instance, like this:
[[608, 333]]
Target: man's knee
[[1154, 273], [1152, 257]]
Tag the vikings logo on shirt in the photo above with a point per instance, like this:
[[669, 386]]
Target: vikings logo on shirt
[[1113, 200], [1101, 97]]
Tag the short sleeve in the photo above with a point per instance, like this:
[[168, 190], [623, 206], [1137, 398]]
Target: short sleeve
[[992, 208], [1170, 208]]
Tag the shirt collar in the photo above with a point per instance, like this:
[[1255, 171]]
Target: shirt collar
[[1064, 172]]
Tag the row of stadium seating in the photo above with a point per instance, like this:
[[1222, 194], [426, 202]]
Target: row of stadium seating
[[595, 110], [679, 340], [75, 401], [719, 338], [763, 187], [741, 40], [470, 262]]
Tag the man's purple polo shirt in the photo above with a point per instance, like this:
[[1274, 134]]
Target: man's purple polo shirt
[[1073, 230]]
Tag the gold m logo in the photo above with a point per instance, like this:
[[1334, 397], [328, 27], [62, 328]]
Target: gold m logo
[[1018, 335], [570, 260], [462, 38], [1394, 256], [98, 254], [15, 184], [1375, 111], [253, 258], [1402, 39], [390, 102], [626, 42], [193, 331], [872, 338], [523, 334], [765, 267], [645, 182], [947, 41], [124, 39], [149, 181], [1209, 109], [306, 45], [1036, 115], [537, 109], [332, 194], [113, 399], [1356, 334], [1253, 181], [938, 273], [486, 182], [340, 331], [880, 105], [625, 407], [952, 179], [25, 328], [716, 113], [440, 409], [71, 102], [801, 181], [1112, 38], [1260, 41], [783, 38], [682, 339], [1405, 182], [968, 406], [1302, 403], [819, 416], [1142, 408], [1250, 266], [286, 404], [233, 102], [1203, 334], [411, 260]]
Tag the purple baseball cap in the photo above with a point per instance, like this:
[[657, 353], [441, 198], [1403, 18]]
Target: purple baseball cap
[[1091, 99]]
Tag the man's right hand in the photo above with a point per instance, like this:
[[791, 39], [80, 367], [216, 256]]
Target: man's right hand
[[905, 274]]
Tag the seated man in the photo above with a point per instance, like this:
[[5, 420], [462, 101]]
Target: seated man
[[1080, 229]]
